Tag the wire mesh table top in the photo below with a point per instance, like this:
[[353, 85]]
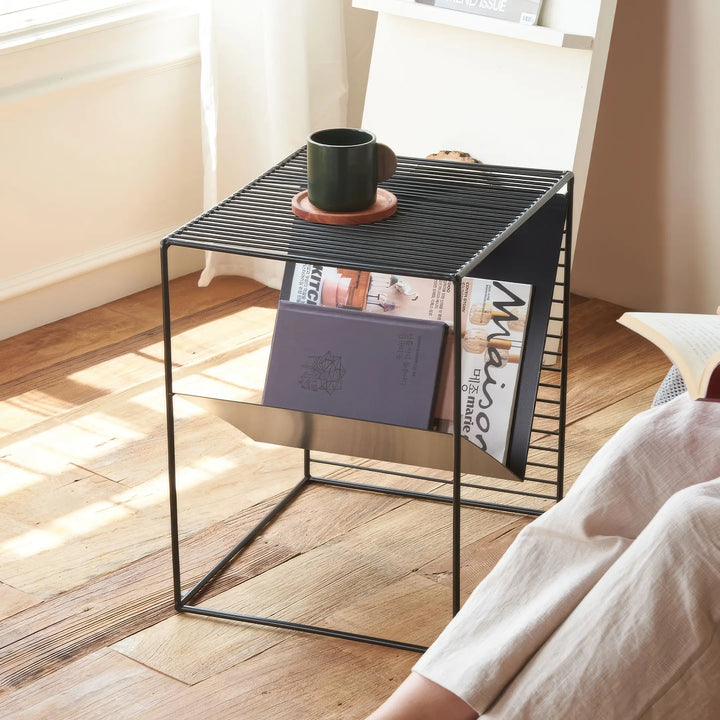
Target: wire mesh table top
[[450, 216]]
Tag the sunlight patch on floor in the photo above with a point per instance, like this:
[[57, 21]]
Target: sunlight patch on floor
[[59, 531]]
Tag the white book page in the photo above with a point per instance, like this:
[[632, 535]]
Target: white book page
[[696, 336]]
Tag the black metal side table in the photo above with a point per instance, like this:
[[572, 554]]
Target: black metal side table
[[454, 220]]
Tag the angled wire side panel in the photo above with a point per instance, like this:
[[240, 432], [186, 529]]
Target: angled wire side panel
[[546, 452]]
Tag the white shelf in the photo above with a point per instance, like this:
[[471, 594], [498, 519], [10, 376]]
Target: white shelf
[[479, 23]]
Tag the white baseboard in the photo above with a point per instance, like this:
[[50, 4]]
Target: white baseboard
[[66, 288]]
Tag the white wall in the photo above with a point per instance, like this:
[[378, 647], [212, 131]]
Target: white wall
[[100, 144], [101, 154], [100, 147], [359, 39], [650, 231], [437, 86]]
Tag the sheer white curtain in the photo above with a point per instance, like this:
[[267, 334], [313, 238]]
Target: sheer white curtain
[[272, 71]]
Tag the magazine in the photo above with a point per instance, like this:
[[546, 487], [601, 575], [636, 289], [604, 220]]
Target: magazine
[[525, 12], [493, 322]]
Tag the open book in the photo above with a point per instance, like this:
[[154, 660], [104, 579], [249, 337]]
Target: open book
[[690, 341]]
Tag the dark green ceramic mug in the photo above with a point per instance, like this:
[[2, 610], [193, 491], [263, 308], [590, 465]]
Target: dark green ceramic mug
[[344, 167]]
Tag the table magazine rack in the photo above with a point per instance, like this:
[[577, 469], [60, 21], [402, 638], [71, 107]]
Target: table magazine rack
[[454, 220]]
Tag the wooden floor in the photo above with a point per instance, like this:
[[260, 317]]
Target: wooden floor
[[87, 628]]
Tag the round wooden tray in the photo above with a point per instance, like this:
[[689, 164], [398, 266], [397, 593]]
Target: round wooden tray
[[384, 206]]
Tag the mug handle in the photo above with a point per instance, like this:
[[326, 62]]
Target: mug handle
[[386, 162]]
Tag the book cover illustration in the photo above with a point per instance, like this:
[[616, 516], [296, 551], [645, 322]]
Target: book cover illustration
[[525, 12], [356, 365], [493, 321]]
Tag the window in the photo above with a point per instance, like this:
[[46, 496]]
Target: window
[[23, 21]]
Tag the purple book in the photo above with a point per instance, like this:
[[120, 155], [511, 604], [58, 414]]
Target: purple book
[[355, 364]]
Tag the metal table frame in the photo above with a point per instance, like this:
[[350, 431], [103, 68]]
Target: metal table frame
[[474, 209]]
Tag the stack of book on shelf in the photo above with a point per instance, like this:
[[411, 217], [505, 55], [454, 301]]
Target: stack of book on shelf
[[385, 354]]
